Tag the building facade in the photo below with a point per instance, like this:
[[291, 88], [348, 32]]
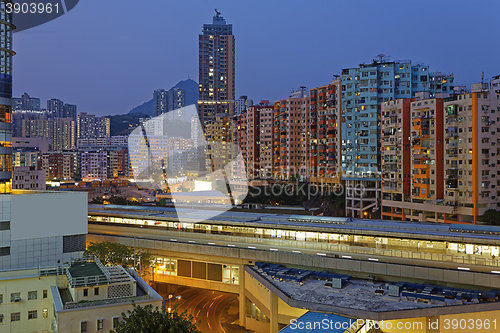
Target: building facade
[[442, 166], [253, 134], [60, 131], [216, 70], [90, 126], [291, 136], [61, 165], [28, 178], [324, 128], [55, 108], [364, 88], [26, 102], [6, 54], [46, 300], [241, 104]]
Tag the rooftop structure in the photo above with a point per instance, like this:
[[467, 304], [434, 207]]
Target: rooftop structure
[[81, 296]]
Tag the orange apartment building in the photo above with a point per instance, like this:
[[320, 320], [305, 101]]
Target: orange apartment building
[[324, 137], [291, 136], [412, 158], [448, 148], [254, 134]]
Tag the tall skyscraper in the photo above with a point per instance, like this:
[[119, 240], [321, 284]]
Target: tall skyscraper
[[6, 54], [159, 102], [168, 101], [216, 70], [26, 102], [55, 107], [69, 111], [175, 101]]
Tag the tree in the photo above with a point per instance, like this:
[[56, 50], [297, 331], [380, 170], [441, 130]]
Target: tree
[[147, 320], [491, 217], [119, 254]]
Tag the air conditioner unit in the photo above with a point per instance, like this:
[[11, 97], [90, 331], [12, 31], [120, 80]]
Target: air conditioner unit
[[17, 299]]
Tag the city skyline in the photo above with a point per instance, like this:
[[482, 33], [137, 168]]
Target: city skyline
[[408, 33]]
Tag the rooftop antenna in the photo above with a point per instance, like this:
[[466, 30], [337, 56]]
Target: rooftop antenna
[[216, 12]]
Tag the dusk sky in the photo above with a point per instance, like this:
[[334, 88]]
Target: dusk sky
[[107, 56]]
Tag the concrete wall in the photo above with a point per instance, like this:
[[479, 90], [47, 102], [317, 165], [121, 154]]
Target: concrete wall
[[51, 214], [23, 286], [70, 320]]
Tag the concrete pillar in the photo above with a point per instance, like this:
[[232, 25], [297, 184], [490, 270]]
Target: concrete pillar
[[242, 297], [274, 325]]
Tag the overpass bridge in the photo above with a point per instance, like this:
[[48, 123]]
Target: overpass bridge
[[212, 252]]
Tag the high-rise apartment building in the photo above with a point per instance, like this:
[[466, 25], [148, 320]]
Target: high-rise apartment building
[[167, 101], [30, 157], [159, 102], [90, 126], [60, 131], [241, 104], [324, 129], [61, 165], [412, 154], [26, 102], [253, 134], [19, 115], [216, 70], [69, 111], [291, 136], [95, 164], [364, 88], [6, 54], [175, 102], [440, 157], [218, 134], [55, 108]]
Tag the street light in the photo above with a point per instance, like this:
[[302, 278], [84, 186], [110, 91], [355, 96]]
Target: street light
[[170, 296]]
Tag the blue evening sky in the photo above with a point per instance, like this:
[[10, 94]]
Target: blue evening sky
[[107, 56]]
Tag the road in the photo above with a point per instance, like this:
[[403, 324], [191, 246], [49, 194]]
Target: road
[[215, 310]]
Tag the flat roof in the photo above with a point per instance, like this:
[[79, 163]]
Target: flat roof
[[78, 270], [418, 230], [350, 296]]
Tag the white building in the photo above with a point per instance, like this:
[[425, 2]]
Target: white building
[[28, 178], [40, 229]]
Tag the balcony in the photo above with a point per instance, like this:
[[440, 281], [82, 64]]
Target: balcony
[[451, 183], [452, 173]]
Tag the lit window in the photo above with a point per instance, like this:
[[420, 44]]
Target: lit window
[[100, 324]]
